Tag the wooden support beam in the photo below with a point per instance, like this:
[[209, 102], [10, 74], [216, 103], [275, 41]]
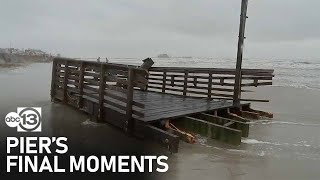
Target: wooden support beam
[[185, 83], [129, 127], [251, 115], [246, 114], [229, 123], [166, 139], [102, 83], [81, 85], [236, 117], [65, 83], [218, 132], [237, 84], [53, 79], [164, 81], [239, 125], [210, 85], [261, 113]]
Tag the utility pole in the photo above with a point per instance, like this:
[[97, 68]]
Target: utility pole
[[237, 84]]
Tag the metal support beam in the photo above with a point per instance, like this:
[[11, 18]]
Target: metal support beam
[[237, 84]]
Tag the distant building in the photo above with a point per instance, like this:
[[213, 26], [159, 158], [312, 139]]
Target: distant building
[[27, 52], [163, 56], [35, 52]]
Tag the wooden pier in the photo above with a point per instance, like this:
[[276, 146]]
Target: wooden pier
[[197, 100]]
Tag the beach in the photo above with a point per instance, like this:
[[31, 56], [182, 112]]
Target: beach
[[285, 147]]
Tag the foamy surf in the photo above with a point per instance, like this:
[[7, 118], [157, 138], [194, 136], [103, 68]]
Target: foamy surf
[[90, 123], [254, 141], [267, 122]]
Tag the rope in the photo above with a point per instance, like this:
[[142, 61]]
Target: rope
[[189, 138]]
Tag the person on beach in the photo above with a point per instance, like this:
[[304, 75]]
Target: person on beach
[[107, 60], [98, 60]]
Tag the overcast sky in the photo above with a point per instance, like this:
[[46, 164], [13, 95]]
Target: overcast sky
[[140, 28]]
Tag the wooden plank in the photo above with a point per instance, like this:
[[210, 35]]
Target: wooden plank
[[73, 71], [198, 87], [141, 79], [119, 98], [257, 77], [86, 87], [59, 94], [92, 74], [115, 88], [91, 67], [229, 123], [91, 95], [212, 94], [59, 84], [59, 74], [117, 105], [73, 83], [122, 107], [257, 84], [77, 78], [72, 89], [123, 99], [91, 82]]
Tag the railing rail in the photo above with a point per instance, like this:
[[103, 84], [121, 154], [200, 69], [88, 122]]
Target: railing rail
[[205, 82]]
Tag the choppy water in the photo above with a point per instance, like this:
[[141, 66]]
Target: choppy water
[[288, 72]]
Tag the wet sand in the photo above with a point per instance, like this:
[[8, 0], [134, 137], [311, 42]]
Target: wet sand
[[286, 147]]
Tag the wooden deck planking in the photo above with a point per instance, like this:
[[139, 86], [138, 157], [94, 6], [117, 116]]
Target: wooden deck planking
[[167, 106]]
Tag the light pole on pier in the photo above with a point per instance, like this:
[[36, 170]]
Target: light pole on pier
[[237, 84]]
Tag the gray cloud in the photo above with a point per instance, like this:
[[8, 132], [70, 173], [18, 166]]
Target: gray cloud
[[140, 28]]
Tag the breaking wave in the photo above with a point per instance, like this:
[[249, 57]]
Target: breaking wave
[[267, 122], [254, 141]]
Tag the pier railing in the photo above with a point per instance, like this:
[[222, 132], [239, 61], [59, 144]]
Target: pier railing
[[215, 83], [110, 86]]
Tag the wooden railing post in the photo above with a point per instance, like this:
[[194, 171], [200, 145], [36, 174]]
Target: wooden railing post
[[164, 81], [185, 83], [129, 127], [147, 77], [53, 79], [81, 78], [65, 81], [210, 85], [101, 91]]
